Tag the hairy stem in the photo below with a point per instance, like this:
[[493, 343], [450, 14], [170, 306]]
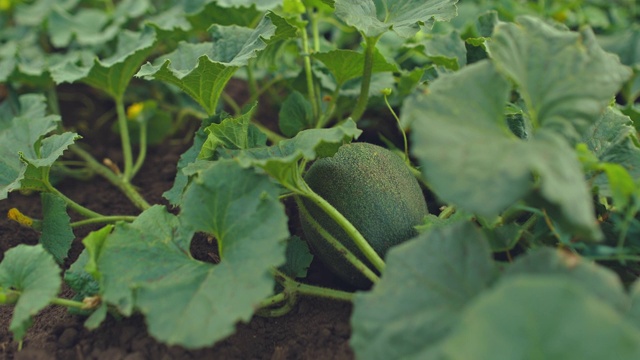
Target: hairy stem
[[103, 220], [142, 151], [363, 99], [114, 179], [125, 139], [309, 75]]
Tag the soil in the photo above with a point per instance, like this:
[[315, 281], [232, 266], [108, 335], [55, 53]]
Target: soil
[[314, 329]]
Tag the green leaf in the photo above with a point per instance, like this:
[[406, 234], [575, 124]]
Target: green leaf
[[32, 272], [348, 64], [298, 258], [202, 70], [114, 73], [282, 160], [446, 50], [541, 317], [91, 26], [471, 158], [405, 17], [597, 280], [21, 144], [57, 234], [426, 284], [188, 302], [612, 139], [295, 114], [565, 78], [188, 157], [232, 133]]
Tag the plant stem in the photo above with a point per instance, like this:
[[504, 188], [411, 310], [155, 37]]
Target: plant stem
[[308, 73], [68, 303], [331, 108], [346, 225], [125, 140], [103, 219], [363, 99], [74, 205], [114, 179], [312, 290], [346, 253], [404, 135], [142, 151]]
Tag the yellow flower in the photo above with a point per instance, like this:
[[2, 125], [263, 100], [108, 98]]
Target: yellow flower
[[22, 219], [134, 109]]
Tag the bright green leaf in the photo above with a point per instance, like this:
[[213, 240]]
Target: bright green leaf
[[32, 272], [426, 284], [57, 234], [541, 317], [405, 17]]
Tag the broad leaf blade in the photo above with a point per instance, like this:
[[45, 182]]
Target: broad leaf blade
[[185, 301], [565, 78], [543, 317], [20, 141], [114, 73], [33, 272], [405, 17], [598, 280], [427, 282], [471, 158], [295, 114], [57, 234], [282, 160], [202, 70], [348, 64]]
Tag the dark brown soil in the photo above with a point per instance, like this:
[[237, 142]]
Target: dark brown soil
[[314, 329]]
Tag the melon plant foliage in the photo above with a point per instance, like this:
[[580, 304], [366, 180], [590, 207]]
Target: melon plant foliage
[[521, 126]]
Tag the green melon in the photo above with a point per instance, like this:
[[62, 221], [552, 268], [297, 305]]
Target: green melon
[[375, 190]]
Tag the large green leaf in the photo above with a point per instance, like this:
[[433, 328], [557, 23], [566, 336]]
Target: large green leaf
[[31, 271], [348, 64], [471, 158], [232, 133], [57, 234], [114, 73], [426, 284], [202, 70], [564, 77], [147, 265], [91, 26], [600, 281], [21, 133], [405, 17], [613, 139], [541, 317], [282, 160]]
